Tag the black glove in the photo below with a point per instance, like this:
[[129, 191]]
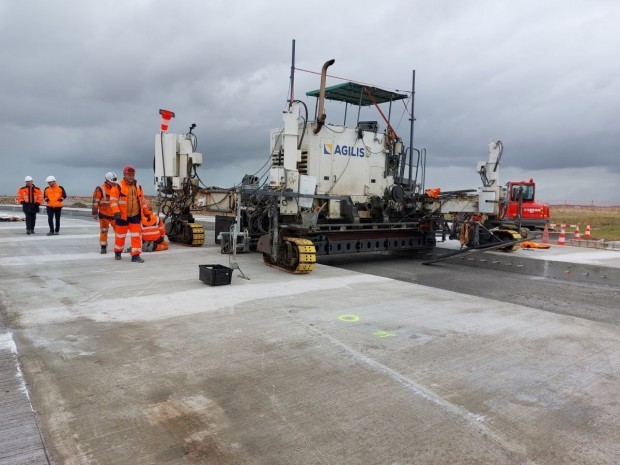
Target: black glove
[[148, 218], [117, 216], [22, 202]]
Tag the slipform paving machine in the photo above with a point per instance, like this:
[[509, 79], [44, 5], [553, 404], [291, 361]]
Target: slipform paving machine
[[178, 185], [332, 188]]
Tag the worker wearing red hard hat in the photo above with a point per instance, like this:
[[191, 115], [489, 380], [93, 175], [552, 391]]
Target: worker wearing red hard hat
[[153, 233], [102, 211], [128, 204], [31, 198]]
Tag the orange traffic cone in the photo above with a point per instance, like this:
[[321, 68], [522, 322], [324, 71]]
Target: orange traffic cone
[[562, 238], [576, 235], [587, 233], [545, 236]]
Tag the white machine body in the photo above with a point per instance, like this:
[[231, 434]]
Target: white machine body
[[489, 196], [337, 161], [174, 158]]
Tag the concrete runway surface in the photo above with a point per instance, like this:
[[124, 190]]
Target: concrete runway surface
[[145, 364]]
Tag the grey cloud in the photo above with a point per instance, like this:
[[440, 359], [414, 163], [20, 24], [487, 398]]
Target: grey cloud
[[83, 81]]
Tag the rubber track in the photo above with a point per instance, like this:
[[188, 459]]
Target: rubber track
[[306, 252], [198, 234]]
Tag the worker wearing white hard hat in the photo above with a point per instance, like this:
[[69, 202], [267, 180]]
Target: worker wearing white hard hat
[[102, 211], [54, 194], [31, 198]]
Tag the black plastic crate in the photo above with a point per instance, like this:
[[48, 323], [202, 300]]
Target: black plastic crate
[[215, 275]]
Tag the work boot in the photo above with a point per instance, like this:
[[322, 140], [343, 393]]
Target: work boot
[[51, 233], [117, 255], [104, 250], [56, 233], [137, 259], [32, 231], [28, 231]]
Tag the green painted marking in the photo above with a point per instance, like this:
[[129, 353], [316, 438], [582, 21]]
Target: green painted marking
[[349, 318], [382, 333]]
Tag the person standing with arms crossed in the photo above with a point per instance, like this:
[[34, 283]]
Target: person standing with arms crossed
[[31, 198], [54, 195], [128, 204], [102, 211]]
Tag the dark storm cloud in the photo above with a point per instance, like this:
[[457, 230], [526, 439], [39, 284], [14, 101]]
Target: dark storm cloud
[[83, 81]]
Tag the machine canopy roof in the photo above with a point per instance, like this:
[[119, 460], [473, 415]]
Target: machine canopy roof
[[350, 92]]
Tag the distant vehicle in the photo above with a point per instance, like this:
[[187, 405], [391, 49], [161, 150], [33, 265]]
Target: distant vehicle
[[522, 198]]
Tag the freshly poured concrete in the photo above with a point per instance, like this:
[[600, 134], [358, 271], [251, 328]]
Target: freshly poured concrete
[[144, 363]]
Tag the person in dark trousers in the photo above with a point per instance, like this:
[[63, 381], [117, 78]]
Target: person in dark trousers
[[54, 195], [31, 198]]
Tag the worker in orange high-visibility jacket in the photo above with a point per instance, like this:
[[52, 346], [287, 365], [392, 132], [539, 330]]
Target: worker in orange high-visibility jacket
[[31, 198], [153, 233], [54, 194], [102, 211], [128, 203]]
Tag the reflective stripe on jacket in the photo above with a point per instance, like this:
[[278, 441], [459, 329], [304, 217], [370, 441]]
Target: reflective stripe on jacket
[[152, 232], [101, 200], [119, 198], [29, 194], [54, 195]]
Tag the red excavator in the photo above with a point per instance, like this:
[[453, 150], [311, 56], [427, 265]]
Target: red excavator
[[521, 204]]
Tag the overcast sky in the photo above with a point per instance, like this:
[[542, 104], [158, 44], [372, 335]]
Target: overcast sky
[[83, 82]]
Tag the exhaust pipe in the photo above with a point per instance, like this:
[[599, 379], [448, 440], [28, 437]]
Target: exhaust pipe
[[321, 116]]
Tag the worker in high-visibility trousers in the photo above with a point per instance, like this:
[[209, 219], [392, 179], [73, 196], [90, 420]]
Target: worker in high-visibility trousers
[[128, 203], [153, 233], [102, 211]]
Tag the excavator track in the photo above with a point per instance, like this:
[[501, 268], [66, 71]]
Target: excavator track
[[513, 239], [297, 256]]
